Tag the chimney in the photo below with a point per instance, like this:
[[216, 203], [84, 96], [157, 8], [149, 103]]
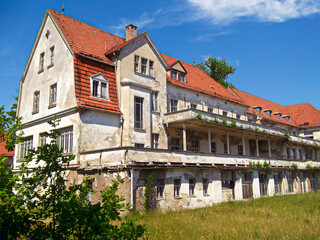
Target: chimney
[[131, 31]]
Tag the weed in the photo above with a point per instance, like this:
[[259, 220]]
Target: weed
[[309, 167], [233, 123], [266, 164], [199, 116], [295, 166], [224, 121]]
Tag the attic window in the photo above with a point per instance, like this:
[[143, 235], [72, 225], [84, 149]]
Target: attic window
[[268, 112], [99, 86], [258, 109], [182, 77], [278, 115], [174, 74], [287, 118]]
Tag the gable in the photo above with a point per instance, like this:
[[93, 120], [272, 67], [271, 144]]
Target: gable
[[178, 66]]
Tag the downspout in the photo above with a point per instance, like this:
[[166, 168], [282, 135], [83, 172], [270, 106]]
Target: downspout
[[121, 129], [131, 173]]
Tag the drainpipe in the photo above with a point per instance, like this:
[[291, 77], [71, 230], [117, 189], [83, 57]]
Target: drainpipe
[[121, 129], [131, 172]]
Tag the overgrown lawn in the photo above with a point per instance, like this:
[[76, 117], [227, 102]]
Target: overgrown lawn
[[282, 217]]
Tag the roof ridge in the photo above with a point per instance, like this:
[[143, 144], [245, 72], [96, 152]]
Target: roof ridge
[[81, 22]]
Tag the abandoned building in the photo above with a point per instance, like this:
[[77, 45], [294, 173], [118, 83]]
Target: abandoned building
[[127, 109]]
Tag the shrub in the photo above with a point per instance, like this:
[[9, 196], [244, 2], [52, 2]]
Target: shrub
[[295, 166], [224, 121], [266, 164], [199, 116], [309, 167], [233, 123], [286, 133]]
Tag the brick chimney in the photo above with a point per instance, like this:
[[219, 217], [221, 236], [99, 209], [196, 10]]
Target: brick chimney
[[131, 31]]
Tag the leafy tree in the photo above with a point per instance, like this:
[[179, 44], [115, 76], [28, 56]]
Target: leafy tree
[[219, 70], [41, 206]]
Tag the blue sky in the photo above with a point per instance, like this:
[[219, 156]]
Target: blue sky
[[273, 44]]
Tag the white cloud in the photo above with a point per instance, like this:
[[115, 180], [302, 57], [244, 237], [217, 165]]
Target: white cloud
[[208, 37], [223, 12]]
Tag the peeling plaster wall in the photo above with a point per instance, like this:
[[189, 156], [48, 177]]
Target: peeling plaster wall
[[60, 73], [185, 97], [141, 86], [99, 130]]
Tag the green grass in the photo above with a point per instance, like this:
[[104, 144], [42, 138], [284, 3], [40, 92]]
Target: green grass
[[283, 217]]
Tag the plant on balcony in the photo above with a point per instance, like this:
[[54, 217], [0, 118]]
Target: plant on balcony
[[309, 167], [216, 120], [250, 128], [259, 165], [224, 121], [241, 126], [266, 164], [251, 164], [286, 133], [257, 129], [295, 166], [233, 123], [205, 119], [264, 131], [199, 116]]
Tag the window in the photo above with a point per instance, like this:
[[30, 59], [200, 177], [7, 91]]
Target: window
[[182, 77], [295, 155], [224, 113], [192, 183], [154, 103], [53, 95], [65, 140], [155, 140], [175, 144], [195, 145], [150, 68], [258, 109], [42, 141], [144, 63], [139, 145], [213, 147], [287, 118], [41, 62], [160, 188], [268, 112], [240, 150], [138, 112], [288, 153], [174, 74], [136, 63], [210, 110], [300, 154], [205, 186], [25, 145], [177, 186], [174, 105], [193, 106], [51, 56], [238, 116], [278, 115], [99, 86], [36, 102]]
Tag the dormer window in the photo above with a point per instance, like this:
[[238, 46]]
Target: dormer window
[[99, 86], [258, 109], [268, 112], [182, 77], [174, 74], [278, 115], [287, 118]]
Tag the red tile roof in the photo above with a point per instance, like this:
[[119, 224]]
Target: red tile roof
[[83, 69], [4, 151], [253, 101], [84, 38], [305, 113], [200, 81]]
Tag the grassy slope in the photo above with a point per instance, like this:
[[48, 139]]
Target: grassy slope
[[283, 217]]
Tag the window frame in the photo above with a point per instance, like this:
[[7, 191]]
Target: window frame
[[174, 74], [154, 101], [100, 79], [173, 107], [139, 145], [240, 149], [41, 62], [151, 65], [138, 123], [51, 102], [51, 57], [192, 187], [25, 145], [136, 63], [155, 140], [177, 187], [195, 145], [36, 102], [65, 139], [144, 67], [160, 188], [182, 77], [210, 110], [205, 186], [193, 106]]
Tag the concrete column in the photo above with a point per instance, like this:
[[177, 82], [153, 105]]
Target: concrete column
[[269, 145], [184, 138], [209, 140], [271, 186], [255, 184], [228, 143], [243, 145], [257, 146], [216, 187], [238, 194]]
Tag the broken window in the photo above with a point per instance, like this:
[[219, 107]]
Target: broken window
[[177, 186], [175, 144], [193, 106], [41, 62], [53, 95], [36, 102], [136, 63], [288, 153], [174, 105], [160, 188], [138, 112], [224, 113], [213, 147], [192, 183], [210, 110], [182, 77], [51, 56], [155, 140], [205, 186], [154, 102], [144, 63], [150, 68]]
